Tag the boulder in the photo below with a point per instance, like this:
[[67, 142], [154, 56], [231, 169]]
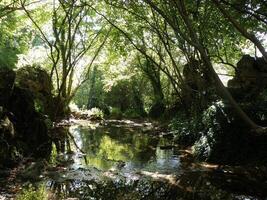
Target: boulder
[[34, 79], [22, 129], [250, 79], [38, 82], [7, 133], [31, 127]]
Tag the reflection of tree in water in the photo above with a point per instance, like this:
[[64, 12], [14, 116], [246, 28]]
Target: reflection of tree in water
[[61, 139], [117, 144], [143, 189]]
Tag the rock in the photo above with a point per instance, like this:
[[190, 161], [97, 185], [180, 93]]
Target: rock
[[7, 134], [22, 128], [7, 79], [33, 171], [7, 128], [34, 79], [250, 79], [38, 82], [226, 139], [31, 127], [261, 64]]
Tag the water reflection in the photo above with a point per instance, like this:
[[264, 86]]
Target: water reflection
[[117, 162], [124, 149]]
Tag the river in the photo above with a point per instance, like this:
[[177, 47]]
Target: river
[[127, 160]]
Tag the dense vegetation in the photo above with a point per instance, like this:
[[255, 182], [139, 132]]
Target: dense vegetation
[[198, 66]]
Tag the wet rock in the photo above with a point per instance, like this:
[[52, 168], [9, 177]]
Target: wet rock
[[33, 171]]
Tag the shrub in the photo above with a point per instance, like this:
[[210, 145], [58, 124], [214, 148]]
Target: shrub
[[95, 114], [186, 132], [224, 138], [116, 113], [32, 193]]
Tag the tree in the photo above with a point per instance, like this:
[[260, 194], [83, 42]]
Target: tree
[[14, 38], [178, 17], [249, 35], [73, 34]]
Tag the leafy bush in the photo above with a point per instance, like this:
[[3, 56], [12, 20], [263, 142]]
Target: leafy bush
[[132, 113], [116, 113], [95, 113], [186, 132], [32, 193], [224, 138]]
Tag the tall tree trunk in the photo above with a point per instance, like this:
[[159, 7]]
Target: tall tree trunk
[[92, 100]]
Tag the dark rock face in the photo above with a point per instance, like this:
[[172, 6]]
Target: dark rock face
[[29, 124], [224, 137], [250, 79], [22, 128], [7, 133], [198, 89]]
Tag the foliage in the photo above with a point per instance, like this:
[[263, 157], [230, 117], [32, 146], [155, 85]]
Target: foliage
[[116, 113], [33, 193], [14, 39], [139, 57], [96, 113], [186, 131], [224, 138]]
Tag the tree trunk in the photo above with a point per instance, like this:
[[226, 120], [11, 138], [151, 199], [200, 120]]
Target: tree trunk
[[218, 83], [193, 40]]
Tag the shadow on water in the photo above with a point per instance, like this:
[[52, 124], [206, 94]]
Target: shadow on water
[[126, 160]]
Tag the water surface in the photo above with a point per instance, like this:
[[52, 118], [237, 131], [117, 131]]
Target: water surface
[[127, 160]]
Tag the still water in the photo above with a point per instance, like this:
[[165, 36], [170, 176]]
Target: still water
[[128, 160]]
